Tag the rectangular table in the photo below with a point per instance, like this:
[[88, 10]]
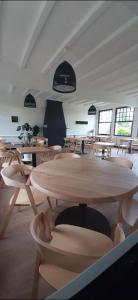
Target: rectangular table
[[33, 151]]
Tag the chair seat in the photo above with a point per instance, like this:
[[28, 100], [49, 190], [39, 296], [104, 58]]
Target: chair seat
[[57, 277], [80, 241], [23, 199]]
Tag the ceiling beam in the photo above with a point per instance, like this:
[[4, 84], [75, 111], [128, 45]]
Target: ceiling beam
[[42, 16], [131, 50], [79, 29], [116, 33]]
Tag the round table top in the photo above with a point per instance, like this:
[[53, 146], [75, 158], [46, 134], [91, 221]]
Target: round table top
[[84, 180], [107, 144]]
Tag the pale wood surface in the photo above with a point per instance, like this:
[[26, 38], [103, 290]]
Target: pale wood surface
[[84, 180], [121, 161], [65, 250], [66, 155], [56, 276], [31, 150], [104, 144]]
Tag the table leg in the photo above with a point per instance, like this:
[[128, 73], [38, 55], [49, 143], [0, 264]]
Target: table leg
[[129, 148], [103, 151], [34, 159], [85, 217], [82, 146]]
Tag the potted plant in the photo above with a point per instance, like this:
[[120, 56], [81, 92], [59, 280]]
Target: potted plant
[[27, 132]]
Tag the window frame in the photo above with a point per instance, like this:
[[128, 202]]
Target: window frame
[[104, 122], [123, 121]]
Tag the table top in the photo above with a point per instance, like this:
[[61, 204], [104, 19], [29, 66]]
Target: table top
[[108, 144], [84, 180], [31, 150]]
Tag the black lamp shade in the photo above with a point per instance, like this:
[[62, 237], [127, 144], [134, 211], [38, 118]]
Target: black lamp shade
[[64, 79], [92, 110], [29, 101]]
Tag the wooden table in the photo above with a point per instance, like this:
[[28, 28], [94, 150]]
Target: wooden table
[[82, 140], [104, 145], [33, 151], [84, 181]]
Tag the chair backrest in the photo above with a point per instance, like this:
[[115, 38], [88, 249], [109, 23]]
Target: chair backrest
[[41, 227], [124, 142], [130, 210], [9, 175], [55, 148], [66, 155], [119, 235], [121, 161], [6, 156]]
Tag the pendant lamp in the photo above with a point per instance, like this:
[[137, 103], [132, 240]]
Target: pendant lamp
[[64, 79], [29, 101], [92, 110]]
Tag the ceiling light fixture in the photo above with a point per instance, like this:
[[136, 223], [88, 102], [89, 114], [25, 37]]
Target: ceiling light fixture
[[29, 101], [92, 110], [64, 79]]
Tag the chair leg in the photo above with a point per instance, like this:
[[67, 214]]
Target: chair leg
[[49, 202], [36, 277], [31, 198], [8, 214]]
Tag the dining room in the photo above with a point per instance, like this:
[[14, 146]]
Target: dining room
[[68, 144]]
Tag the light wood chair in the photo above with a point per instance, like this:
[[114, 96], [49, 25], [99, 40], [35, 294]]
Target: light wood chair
[[53, 150], [97, 151], [67, 144], [123, 145], [130, 212], [121, 161], [65, 250], [24, 194], [66, 155], [134, 145], [7, 157]]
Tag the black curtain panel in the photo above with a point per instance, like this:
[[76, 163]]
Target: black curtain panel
[[54, 123]]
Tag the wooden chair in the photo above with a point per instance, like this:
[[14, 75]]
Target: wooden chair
[[24, 194], [97, 151], [123, 145], [130, 212], [134, 145], [53, 150], [121, 161], [65, 250], [66, 155], [66, 144], [7, 158]]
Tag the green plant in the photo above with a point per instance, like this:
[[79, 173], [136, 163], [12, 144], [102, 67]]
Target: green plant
[[122, 131], [27, 132]]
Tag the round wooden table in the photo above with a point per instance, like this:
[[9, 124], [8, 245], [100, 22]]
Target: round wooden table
[[84, 181], [104, 145]]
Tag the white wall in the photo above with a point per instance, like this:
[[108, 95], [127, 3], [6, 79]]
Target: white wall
[[34, 116], [75, 113], [14, 106]]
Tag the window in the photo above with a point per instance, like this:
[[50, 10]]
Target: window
[[124, 121], [104, 124]]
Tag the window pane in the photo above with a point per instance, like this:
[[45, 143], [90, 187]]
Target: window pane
[[124, 114], [105, 116], [123, 128], [104, 128]]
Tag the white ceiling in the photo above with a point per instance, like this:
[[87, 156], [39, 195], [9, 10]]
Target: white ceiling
[[99, 38]]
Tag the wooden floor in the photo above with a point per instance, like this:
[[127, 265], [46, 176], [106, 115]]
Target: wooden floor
[[17, 249]]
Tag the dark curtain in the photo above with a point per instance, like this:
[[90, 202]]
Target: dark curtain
[[54, 123]]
